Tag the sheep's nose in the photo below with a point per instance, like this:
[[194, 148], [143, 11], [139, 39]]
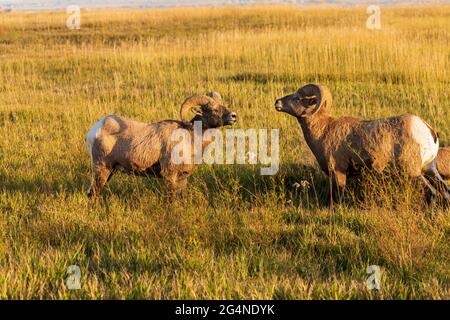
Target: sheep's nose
[[278, 105]]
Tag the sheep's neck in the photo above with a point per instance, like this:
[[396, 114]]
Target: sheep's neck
[[313, 128]]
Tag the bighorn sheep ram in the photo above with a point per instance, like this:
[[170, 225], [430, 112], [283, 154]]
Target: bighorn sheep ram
[[145, 148], [343, 145], [443, 162]]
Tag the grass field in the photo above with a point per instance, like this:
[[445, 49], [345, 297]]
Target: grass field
[[236, 235]]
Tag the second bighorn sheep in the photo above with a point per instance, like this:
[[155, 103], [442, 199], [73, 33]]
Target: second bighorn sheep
[[344, 145], [146, 148], [443, 162]]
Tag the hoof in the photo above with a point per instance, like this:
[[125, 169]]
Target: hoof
[[91, 195]]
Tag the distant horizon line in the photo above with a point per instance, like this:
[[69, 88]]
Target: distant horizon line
[[31, 7]]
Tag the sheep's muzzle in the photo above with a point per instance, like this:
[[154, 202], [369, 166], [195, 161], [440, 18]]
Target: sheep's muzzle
[[230, 118], [278, 105]]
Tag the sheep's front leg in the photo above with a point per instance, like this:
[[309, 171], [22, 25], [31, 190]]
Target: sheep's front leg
[[102, 175], [182, 184], [176, 184], [337, 185]]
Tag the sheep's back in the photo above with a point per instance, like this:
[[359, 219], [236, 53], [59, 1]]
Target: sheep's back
[[377, 143]]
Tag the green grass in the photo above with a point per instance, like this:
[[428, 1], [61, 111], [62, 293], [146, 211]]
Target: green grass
[[235, 236]]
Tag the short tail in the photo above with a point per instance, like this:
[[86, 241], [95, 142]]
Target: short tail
[[93, 134]]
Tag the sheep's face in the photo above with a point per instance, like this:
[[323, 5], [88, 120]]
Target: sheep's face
[[297, 104], [214, 115]]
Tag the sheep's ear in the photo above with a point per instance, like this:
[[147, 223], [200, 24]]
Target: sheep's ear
[[197, 110], [318, 97], [312, 105]]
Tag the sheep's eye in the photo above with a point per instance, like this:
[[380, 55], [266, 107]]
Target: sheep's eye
[[312, 101]]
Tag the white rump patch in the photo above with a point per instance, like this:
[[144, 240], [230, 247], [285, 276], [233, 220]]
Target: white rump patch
[[428, 147], [93, 134]]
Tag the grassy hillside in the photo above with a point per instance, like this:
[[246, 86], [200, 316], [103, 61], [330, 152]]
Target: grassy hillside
[[236, 235]]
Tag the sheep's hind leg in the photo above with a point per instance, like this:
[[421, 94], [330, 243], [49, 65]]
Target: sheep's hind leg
[[430, 193], [102, 175]]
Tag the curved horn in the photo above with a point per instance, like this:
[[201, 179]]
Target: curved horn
[[215, 95], [193, 103], [321, 93]]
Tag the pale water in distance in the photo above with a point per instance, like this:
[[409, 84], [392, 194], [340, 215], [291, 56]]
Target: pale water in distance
[[48, 5]]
